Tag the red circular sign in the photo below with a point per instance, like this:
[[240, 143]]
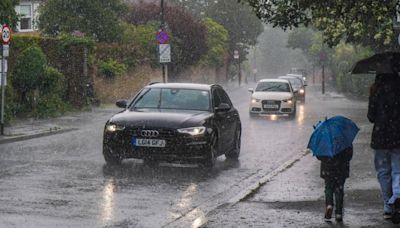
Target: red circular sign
[[5, 34]]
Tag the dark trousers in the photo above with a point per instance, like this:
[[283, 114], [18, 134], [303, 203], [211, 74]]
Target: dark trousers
[[335, 187]]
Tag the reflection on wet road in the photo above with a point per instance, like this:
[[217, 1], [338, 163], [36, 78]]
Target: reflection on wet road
[[62, 181]]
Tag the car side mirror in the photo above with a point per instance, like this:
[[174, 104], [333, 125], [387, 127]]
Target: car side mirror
[[251, 90], [121, 103], [305, 83], [223, 107]]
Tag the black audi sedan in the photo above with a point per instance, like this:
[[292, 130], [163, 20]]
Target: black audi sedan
[[174, 122]]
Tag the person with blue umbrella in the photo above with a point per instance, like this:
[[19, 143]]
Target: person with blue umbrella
[[332, 144]]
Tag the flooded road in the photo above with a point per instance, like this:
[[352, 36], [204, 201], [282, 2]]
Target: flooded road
[[62, 180]]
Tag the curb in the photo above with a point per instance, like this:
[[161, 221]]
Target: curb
[[198, 215], [10, 139]]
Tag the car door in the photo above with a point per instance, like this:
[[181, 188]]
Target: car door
[[220, 121], [232, 120]]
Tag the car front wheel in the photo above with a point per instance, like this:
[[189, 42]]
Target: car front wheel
[[209, 161], [109, 157], [235, 152]]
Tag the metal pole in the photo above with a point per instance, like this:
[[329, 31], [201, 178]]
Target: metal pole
[[240, 72], [162, 28], [3, 92], [323, 78]]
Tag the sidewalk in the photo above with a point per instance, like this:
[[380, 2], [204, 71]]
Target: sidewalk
[[295, 197], [34, 128]]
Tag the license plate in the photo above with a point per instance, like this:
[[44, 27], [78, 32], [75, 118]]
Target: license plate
[[148, 142], [271, 106]]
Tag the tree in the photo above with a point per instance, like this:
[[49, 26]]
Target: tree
[[7, 12], [238, 19], [29, 69], [188, 42], [369, 23], [96, 18], [217, 38]]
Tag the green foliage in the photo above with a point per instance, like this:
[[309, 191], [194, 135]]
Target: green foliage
[[7, 12], [111, 68], [29, 69], [239, 20], [52, 83], [50, 105], [217, 38], [67, 40], [369, 23], [96, 18]]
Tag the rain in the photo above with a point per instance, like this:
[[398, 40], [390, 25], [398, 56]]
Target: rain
[[209, 113]]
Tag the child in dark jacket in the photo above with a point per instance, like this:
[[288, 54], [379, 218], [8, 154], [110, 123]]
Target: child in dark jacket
[[334, 171]]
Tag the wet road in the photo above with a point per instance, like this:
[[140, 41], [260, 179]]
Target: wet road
[[62, 180]]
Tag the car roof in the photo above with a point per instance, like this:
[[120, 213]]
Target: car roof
[[181, 86], [289, 76], [295, 75], [274, 80]]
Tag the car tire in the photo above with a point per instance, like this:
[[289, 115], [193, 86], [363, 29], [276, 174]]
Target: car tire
[[235, 152], [210, 159], [293, 114], [109, 157], [252, 115]]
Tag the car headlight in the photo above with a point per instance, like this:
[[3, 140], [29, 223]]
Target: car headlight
[[253, 100], [301, 91], [193, 131], [114, 127], [289, 101]]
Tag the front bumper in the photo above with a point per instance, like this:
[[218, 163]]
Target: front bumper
[[272, 107], [177, 146]]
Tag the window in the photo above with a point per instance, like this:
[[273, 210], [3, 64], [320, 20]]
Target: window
[[25, 12]]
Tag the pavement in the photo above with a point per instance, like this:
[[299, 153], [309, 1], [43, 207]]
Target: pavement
[[24, 129], [294, 197]]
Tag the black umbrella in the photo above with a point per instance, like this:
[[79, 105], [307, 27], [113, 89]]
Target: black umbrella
[[387, 62]]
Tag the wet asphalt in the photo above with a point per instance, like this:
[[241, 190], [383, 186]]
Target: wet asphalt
[[62, 181]]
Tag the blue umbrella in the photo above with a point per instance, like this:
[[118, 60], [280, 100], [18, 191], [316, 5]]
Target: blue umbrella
[[332, 136]]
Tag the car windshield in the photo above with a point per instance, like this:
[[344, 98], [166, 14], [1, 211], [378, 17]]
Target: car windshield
[[273, 87], [170, 98]]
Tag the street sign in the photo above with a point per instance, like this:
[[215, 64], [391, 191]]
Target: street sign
[[165, 53], [236, 54], [162, 37], [5, 34]]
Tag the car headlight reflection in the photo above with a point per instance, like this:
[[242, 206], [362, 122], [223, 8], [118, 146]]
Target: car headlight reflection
[[193, 131], [289, 101], [114, 127]]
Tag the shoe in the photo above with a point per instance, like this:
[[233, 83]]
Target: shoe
[[396, 212], [328, 212], [339, 217], [387, 215]]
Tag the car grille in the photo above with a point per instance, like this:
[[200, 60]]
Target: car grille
[[271, 105], [160, 133]]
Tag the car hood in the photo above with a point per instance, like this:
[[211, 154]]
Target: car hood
[[161, 118], [272, 95]]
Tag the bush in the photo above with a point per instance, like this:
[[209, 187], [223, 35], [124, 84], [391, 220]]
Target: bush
[[50, 105], [29, 69], [111, 68], [52, 82]]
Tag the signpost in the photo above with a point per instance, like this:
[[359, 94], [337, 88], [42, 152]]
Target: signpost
[[164, 49], [237, 57], [5, 39]]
